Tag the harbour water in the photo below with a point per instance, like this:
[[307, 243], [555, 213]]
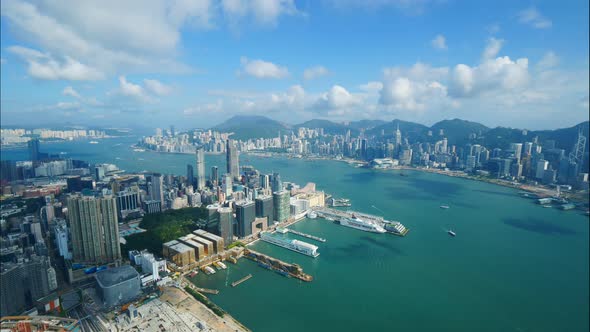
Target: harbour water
[[513, 266]]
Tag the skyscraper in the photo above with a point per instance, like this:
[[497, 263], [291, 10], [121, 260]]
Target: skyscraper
[[214, 175], [233, 166], [227, 185], [94, 228], [33, 146], [245, 215], [226, 224], [277, 184], [190, 175], [157, 189], [200, 168], [281, 208]]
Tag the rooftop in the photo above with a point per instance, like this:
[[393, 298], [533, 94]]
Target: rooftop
[[115, 275]]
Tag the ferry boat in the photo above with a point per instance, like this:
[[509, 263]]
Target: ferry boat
[[444, 206], [220, 265], [362, 225], [209, 270], [93, 142], [139, 150], [451, 233], [295, 245], [312, 215]]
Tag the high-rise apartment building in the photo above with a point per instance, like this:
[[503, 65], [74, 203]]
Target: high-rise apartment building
[[94, 229]]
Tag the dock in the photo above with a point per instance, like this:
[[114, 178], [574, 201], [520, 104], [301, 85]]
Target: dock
[[206, 290], [309, 236], [283, 268], [393, 227], [237, 282]]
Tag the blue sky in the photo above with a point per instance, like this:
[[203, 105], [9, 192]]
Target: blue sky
[[197, 63]]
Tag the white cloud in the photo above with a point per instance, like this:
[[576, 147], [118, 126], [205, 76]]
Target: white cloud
[[156, 87], [501, 73], [264, 12], [69, 91], [439, 42], [315, 72], [492, 49], [531, 16], [46, 67], [131, 91], [262, 69], [411, 7], [549, 60], [371, 87], [336, 98], [132, 36]]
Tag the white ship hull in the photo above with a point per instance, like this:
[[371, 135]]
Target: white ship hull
[[362, 225]]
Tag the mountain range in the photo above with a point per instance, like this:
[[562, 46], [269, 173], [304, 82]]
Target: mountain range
[[457, 131]]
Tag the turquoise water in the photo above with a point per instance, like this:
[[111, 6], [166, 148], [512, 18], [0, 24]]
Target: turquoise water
[[513, 266]]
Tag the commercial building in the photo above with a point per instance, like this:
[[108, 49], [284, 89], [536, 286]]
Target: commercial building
[[118, 285], [226, 224], [178, 253], [264, 207], [25, 282], [281, 206], [199, 249], [156, 189], [245, 215], [200, 168], [218, 242], [94, 228], [233, 167]]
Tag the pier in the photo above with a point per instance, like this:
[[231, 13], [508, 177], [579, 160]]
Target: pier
[[237, 282], [309, 236], [393, 227], [207, 290], [283, 268]]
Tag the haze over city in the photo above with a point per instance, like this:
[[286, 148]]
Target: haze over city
[[197, 63]]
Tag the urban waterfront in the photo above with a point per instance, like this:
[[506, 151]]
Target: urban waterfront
[[513, 266]]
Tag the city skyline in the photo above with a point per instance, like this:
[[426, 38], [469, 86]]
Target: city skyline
[[520, 65]]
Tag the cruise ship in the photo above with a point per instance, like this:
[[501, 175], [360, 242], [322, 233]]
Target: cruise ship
[[295, 245], [362, 225]]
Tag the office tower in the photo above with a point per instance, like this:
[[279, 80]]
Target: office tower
[[277, 184], [98, 172], [25, 282], [264, 207], [128, 200], [33, 146], [172, 131], [245, 215], [444, 146], [264, 181], [94, 228], [226, 224], [157, 189], [227, 186], [397, 136], [281, 208], [200, 168], [159, 132], [190, 175], [541, 167], [517, 149], [577, 154], [231, 157], [214, 175], [527, 148]]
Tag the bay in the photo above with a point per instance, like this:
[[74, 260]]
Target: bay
[[513, 266]]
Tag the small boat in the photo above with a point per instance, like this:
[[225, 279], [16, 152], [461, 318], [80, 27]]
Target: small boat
[[312, 215], [93, 142], [444, 206], [139, 150], [451, 233]]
